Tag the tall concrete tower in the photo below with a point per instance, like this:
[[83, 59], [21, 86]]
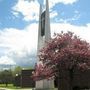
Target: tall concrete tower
[[44, 33], [44, 36]]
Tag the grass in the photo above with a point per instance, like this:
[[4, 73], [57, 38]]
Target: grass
[[8, 86], [11, 87]]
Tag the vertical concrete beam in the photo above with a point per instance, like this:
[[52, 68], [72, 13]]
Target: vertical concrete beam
[[47, 23]]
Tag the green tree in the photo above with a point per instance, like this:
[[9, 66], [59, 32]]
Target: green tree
[[6, 76], [17, 70]]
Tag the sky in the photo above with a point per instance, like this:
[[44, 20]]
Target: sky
[[19, 26]]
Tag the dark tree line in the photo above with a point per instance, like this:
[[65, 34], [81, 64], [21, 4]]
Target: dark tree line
[[7, 76]]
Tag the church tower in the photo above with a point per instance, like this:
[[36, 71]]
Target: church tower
[[44, 36], [44, 33]]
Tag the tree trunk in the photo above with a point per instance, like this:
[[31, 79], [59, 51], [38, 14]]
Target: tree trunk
[[64, 80], [71, 79]]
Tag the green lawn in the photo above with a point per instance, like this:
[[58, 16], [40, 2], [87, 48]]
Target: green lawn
[[11, 87], [8, 86]]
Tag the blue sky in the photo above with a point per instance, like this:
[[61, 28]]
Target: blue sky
[[19, 26]]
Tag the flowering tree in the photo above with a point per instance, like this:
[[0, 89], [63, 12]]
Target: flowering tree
[[65, 51]]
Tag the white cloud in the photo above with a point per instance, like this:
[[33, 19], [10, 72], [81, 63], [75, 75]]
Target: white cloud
[[4, 60], [52, 3], [68, 1], [18, 39], [82, 31], [22, 44], [53, 14], [30, 10]]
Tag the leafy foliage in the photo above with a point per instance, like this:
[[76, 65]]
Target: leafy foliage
[[17, 70], [64, 51], [6, 77]]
